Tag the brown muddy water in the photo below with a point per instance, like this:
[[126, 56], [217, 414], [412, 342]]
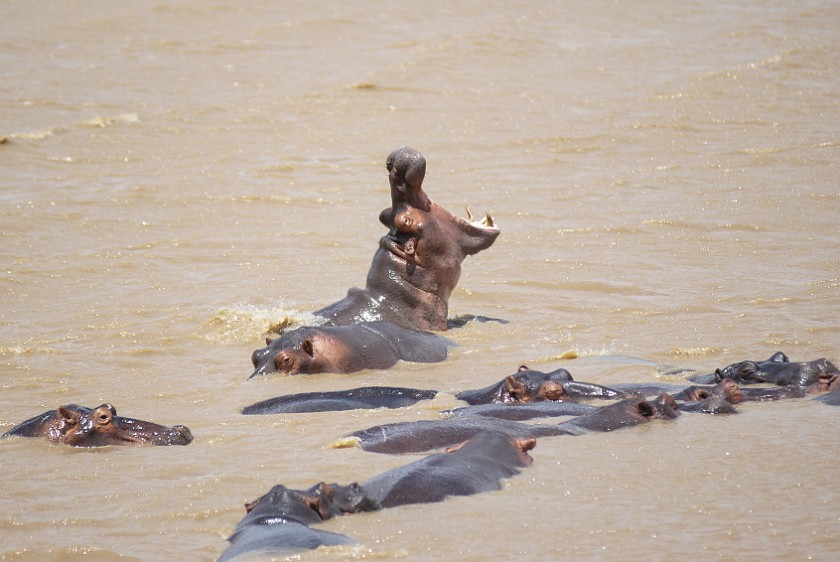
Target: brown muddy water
[[178, 178]]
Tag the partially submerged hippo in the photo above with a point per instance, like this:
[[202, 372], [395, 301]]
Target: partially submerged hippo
[[729, 390], [425, 435], [778, 370], [521, 412], [346, 349], [278, 521], [524, 387], [535, 386], [418, 262], [79, 426], [470, 468], [367, 397]]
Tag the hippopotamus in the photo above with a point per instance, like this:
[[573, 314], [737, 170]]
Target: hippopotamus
[[524, 387], [346, 349], [729, 390], [366, 397], [534, 386], [474, 466], [521, 412], [425, 435], [777, 369], [715, 405], [278, 521], [79, 426], [418, 262]]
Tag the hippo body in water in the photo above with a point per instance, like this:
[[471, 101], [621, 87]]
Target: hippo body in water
[[524, 387], [412, 275], [535, 386], [473, 467], [79, 426], [418, 262], [521, 412], [367, 397], [425, 435], [346, 349], [278, 522], [778, 370]]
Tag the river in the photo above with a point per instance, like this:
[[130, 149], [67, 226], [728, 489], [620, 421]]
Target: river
[[180, 178]]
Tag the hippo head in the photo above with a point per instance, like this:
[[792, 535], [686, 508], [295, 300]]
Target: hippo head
[[418, 263], [727, 389], [523, 390], [318, 503], [295, 360], [102, 426], [283, 504], [751, 371], [534, 386]]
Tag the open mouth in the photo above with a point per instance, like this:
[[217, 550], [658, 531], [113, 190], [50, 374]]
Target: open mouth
[[484, 222]]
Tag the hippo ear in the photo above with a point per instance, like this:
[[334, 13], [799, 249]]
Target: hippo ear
[[249, 506], [267, 341], [68, 416], [316, 503], [306, 346], [523, 368], [779, 357], [516, 389]]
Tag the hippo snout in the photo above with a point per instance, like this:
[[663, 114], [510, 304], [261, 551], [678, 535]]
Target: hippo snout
[[178, 435]]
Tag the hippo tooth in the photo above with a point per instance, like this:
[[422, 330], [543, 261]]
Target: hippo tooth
[[487, 220]]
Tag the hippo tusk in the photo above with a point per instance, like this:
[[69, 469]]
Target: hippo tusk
[[486, 221]]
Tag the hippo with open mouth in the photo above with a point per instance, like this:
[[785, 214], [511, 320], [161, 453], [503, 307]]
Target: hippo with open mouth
[[418, 262]]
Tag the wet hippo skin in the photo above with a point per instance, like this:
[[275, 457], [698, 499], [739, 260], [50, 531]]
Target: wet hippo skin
[[777, 369], [524, 387], [346, 349], [418, 262], [528, 385], [79, 426], [368, 397], [278, 522], [425, 435], [473, 467]]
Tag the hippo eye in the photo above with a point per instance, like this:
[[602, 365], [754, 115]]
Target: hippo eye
[[282, 360], [407, 220], [104, 418]]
